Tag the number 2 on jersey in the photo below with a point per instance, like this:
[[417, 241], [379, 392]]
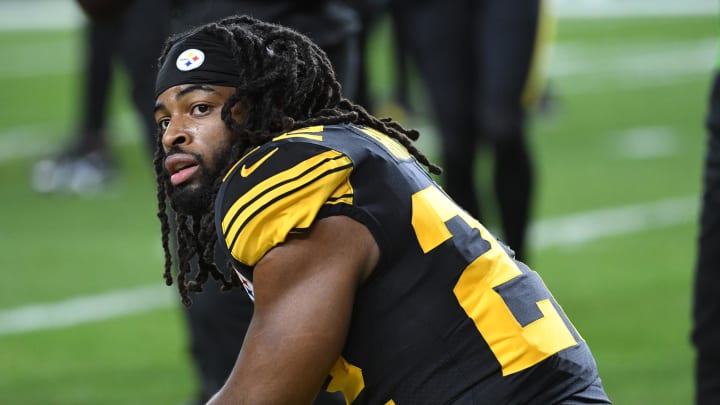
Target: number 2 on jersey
[[516, 347]]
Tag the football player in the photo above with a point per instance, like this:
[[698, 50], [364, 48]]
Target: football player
[[367, 278]]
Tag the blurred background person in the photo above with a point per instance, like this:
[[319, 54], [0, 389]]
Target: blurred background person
[[128, 33], [478, 61], [706, 298]]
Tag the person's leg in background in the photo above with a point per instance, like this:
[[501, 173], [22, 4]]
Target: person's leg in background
[[437, 35], [85, 165], [706, 294], [102, 39], [145, 29], [505, 47], [475, 59]]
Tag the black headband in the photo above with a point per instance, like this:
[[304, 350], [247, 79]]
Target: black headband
[[199, 58]]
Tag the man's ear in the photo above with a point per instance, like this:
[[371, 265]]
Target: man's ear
[[237, 113]]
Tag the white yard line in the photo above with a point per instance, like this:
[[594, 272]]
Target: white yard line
[[579, 69], [631, 60], [34, 141], [581, 228], [39, 14], [83, 309], [633, 8], [571, 230]]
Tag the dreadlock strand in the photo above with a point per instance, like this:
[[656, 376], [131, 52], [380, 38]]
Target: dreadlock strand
[[162, 211], [397, 132], [202, 274], [209, 236], [185, 252], [413, 134]]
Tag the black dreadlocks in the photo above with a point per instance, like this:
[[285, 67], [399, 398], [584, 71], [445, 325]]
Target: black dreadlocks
[[285, 82]]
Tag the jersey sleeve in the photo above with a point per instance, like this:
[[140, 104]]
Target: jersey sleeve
[[278, 190]]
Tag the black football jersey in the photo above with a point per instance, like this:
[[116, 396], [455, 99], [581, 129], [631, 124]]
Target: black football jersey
[[448, 315]]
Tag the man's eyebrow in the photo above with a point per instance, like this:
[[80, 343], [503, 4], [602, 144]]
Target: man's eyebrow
[[194, 87], [158, 106], [185, 91]]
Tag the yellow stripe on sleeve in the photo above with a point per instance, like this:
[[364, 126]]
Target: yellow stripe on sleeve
[[303, 133], [290, 200]]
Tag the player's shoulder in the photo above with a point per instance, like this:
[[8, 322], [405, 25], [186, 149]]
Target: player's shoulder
[[280, 186], [311, 155], [283, 157]]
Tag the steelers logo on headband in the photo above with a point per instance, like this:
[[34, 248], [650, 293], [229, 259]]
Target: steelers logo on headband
[[190, 59], [198, 58]]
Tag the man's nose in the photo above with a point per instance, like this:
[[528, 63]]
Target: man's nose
[[175, 135]]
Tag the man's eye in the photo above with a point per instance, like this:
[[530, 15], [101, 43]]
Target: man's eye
[[201, 108], [163, 124]]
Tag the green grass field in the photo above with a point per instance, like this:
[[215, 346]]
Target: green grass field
[[626, 130]]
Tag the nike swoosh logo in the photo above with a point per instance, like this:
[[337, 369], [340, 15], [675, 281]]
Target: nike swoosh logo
[[247, 170]]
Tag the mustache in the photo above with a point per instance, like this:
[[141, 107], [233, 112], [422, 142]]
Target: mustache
[[176, 149]]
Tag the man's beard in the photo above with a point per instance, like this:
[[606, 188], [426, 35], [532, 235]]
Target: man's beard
[[197, 198], [193, 200]]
